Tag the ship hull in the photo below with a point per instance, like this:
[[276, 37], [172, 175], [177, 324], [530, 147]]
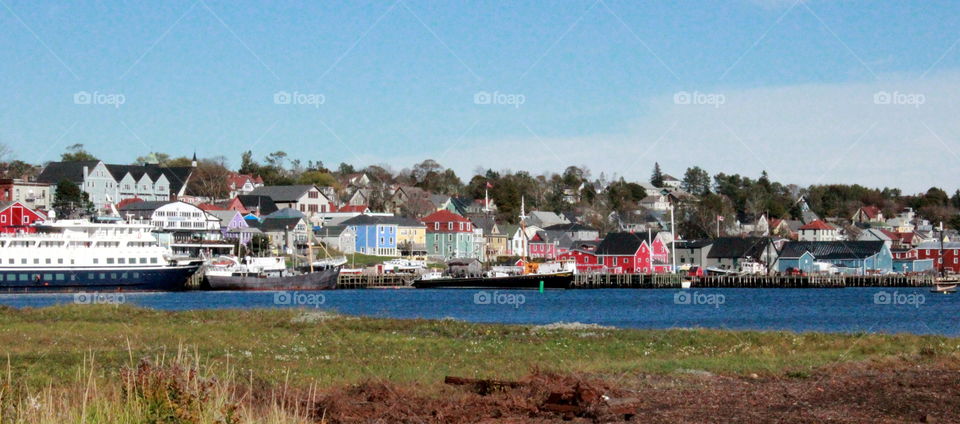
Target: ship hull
[[560, 280], [54, 280], [320, 280]]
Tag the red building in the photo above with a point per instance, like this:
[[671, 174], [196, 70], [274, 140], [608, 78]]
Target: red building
[[949, 260], [541, 247], [14, 217], [626, 253]]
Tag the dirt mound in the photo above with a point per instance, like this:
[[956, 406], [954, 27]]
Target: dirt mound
[[851, 393], [540, 397]]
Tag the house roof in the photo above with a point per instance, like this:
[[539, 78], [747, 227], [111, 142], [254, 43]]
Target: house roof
[[55, 172], [693, 244], [486, 223], [571, 227], [224, 216], [290, 193], [285, 213], [145, 206], [818, 225], [238, 180], [871, 212], [444, 216], [331, 230], [253, 201], [620, 244], [353, 208], [832, 249], [275, 224], [738, 247]]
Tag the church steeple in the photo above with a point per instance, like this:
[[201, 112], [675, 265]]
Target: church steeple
[[194, 162]]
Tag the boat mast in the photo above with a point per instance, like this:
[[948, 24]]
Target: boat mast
[[523, 232]]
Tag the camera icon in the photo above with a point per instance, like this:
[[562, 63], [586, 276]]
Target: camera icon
[[482, 298], [482, 98], [882, 298], [82, 98], [282, 298], [682, 298], [82, 298], [882, 98], [282, 98], [682, 98]]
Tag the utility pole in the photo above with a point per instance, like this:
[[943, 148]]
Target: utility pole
[[673, 241]]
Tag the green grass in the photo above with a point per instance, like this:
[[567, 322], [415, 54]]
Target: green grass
[[48, 345], [83, 363], [362, 260]]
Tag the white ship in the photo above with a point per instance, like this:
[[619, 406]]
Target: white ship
[[82, 255]]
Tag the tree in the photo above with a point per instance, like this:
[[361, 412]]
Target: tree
[[346, 169], [317, 178], [161, 158], [696, 181], [76, 153], [70, 201], [210, 179], [657, 178]]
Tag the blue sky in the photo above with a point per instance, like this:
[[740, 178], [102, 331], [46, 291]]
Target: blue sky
[[732, 86]]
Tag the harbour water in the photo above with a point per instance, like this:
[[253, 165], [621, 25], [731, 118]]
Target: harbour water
[[877, 310]]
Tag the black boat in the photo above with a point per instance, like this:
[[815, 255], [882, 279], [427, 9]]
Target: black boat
[[559, 280], [231, 273]]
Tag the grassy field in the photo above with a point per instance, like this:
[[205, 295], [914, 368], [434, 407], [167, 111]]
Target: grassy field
[[69, 349]]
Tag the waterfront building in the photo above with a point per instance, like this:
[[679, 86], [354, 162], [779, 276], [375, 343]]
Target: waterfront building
[[15, 217], [450, 236]]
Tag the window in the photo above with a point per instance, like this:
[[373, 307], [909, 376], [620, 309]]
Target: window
[[436, 226], [109, 261], [121, 260], [96, 261], [153, 260]]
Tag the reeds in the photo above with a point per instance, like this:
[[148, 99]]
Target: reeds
[[160, 390]]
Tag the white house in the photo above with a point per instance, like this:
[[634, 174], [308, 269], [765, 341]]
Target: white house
[[308, 199], [819, 231]]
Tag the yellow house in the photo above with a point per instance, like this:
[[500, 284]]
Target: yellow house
[[411, 237]]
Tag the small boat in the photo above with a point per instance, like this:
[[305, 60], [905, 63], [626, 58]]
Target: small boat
[[945, 285], [270, 273]]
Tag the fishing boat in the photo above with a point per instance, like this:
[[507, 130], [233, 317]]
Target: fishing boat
[[100, 254], [270, 273], [530, 275]]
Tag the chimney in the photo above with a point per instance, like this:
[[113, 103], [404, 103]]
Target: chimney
[[86, 172]]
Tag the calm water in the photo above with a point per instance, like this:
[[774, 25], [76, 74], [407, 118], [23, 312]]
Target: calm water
[[837, 310]]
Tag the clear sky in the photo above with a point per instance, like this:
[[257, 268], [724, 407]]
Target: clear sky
[[813, 92]]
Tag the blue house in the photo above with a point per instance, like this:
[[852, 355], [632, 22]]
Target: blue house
[[376, 235], [850, 257]]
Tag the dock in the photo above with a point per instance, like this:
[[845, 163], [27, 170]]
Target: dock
[[670, 281]]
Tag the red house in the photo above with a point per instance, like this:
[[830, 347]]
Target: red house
[[541, 247], [625, 253], [660, 256], [14, 217]]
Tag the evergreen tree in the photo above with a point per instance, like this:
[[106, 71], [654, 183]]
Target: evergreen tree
[[70, 201], [657, 178]]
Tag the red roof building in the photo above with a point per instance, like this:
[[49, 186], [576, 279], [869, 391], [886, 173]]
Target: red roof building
[[17, 218], [868, 214], [818, 231], [444, 221]]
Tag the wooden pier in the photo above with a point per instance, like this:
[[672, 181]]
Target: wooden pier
[[669, 281]]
